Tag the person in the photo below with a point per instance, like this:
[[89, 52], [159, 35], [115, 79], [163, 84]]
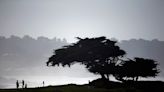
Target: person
[[22, 83], [17, 84], [43, 83], [25, 85]]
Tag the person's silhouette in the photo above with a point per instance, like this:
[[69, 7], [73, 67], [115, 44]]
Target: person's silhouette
[[22, 83], [17, 84], [25, 85], [43, 83]]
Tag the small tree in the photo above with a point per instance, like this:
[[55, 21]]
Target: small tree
[[99, 55], [146, 68], [139, 67]]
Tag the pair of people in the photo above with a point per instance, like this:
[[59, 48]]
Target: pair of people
[[23, 84]]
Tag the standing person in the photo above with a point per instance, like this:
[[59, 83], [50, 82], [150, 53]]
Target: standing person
[[43, 83], [17, 84], [25, 85], [22, 83]]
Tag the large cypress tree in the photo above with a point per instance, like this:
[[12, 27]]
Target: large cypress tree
[[100, 55]]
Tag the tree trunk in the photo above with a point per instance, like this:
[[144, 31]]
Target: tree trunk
[[133, 78], [102, 76], [107, 76], [137, 78]]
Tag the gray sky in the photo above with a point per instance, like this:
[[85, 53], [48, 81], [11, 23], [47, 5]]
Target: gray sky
[[122, 19]]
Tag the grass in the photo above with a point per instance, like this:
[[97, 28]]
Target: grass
[[64, 88], [143, 87], [70, 88]]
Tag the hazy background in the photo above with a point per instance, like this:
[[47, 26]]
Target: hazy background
[[24, 57]]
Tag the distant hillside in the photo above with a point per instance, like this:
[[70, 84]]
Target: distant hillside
[[27, 50]]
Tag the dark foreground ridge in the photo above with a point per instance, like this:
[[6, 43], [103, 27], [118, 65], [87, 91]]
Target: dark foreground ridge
[[99, 85]]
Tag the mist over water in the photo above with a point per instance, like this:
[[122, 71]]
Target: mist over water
[[77, 74]]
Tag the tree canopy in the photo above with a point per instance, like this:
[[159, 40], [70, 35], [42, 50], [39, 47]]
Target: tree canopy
[[96, 53], [139, 67]]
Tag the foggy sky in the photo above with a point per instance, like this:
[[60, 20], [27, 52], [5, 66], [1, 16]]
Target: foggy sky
[[122, 19]]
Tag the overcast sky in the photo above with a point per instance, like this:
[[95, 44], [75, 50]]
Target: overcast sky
[[122, 19]]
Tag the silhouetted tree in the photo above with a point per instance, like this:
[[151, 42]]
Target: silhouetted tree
[[99, 55], [139, 67]]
